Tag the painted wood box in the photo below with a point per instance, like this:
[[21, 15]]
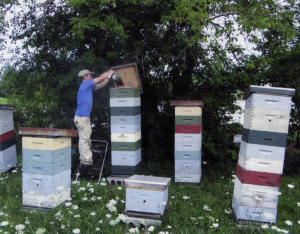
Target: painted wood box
[[188, 167], [120, 102], [255, 195], [262, 151], [6, 120], [269, 120], [126, 158], [264, 138], [46, 184], [124, 120], [46, 201], [146, 194], [8, 158], [125, 128]]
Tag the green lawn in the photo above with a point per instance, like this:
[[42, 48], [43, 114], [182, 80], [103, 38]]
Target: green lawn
[[88, 212]]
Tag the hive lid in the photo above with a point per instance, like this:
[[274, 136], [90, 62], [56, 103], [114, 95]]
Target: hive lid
[[130, 75], [51, 132], [148, 182], [268, 90], [6, 107], [187, 103]]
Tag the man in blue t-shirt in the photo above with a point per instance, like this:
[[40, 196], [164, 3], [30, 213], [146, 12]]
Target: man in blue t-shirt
[[83, 111]]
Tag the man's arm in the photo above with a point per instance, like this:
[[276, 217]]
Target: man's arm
[[102, 80]]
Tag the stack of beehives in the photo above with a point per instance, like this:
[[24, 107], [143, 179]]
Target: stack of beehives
[[262, 152], [46, 177], [8, 154], [188, 136], [125, 110]]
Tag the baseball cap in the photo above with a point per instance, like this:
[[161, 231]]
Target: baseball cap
[[83, 73]]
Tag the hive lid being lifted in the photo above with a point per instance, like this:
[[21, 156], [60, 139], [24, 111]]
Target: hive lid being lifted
[[130, 75], [268, 90], [50, 132], [6, 107], [148, 182], [187, 103]]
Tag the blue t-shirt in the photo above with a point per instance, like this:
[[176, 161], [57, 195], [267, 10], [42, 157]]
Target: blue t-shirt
[[85, 98]]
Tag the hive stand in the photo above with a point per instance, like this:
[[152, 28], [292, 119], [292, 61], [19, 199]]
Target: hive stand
[[188, 141], [261, 155], [46, 166]]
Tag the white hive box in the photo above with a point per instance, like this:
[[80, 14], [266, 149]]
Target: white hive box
[[146, 194], [8, 158], [133, 119], [255, 195], [188, 167], [6, 121], [125, 128], [118, 102], [188, 178], [46, 184], [260, 164], [126, 158], [267, 120], [257, 100], [46, 201], [262, 151]]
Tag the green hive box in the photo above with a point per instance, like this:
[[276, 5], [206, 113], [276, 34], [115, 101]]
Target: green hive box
[[3, 100]]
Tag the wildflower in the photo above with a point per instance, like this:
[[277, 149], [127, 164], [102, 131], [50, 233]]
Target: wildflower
[[58, 213], [298, 221], [268, 215], [291, 186], [215, 225], [173, 197], [122, 201], [77, 230], [93, 213], [4, 223], [99, 198], [206, 208], [100, 221], [97, 229], [108, 216], [163, 203], [233, 176], [169, 227], [68, 204], [14, 171], [76, 216], [75, 207], [204, 162], [264, 226], [282, 230], [27, 222], [93, 199], [62, 227], [103, 184], [40, 231], [192, 218], [120, 188], [185, 197], [84, 199], [103, 179], [19, 227], [274, 227], [298, 203], [289, 223], [91, 190], [134, 230], [1, 213], [151, 229]]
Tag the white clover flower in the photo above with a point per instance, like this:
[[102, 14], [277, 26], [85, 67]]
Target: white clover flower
[[173, 197], [40, 231], [151, 229], [103, 179], [77, 216], [206, 208], [298, 203], [58, 213], [99, 198], [4, 223], [122, 201], [84, 199], [93, 199], [204, 162], [291, 186], [282, 230], [81, 189], [76, 231], [97, 229], [108, 216], [27, 222], [14, 171], [134, 230], [298, 221], [75, 207], [289, 223], [76, 182], [62, 227], [164, 203], [274, 227], [93, 213], [201, 218], [91, 190], [264, 226], [103, 184], [215, 225], [19, 227], [1, 213], [68, 204], [169, 226], [120, 188], [185, 197], [193, 218], [268, 215]]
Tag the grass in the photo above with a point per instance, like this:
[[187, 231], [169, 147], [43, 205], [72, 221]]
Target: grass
[[185, 216]]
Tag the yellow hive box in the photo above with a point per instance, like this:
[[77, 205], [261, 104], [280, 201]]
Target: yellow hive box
[[125, 137], [39, 143], [188, 111]]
